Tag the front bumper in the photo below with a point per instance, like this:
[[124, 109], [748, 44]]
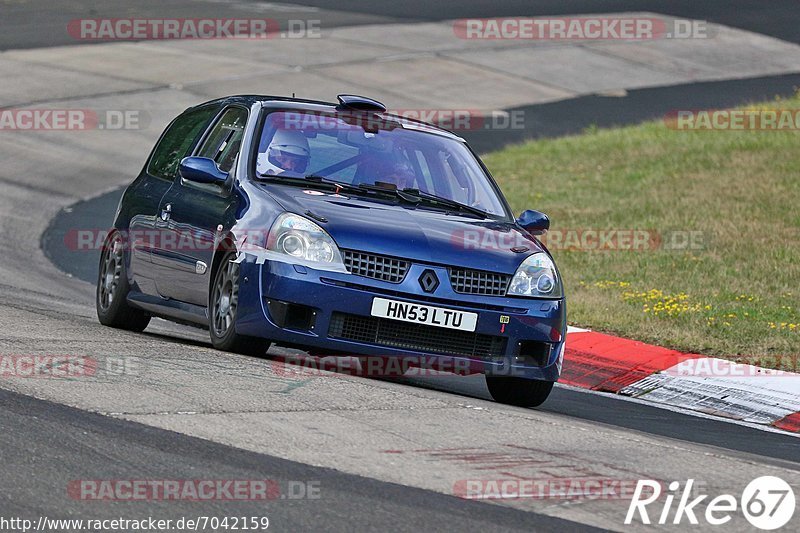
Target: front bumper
[[514, 336]]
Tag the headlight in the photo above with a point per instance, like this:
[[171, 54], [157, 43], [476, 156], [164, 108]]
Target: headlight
[[536, 277], [301, 238]]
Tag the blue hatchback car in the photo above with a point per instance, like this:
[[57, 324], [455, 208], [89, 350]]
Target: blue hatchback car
[[339, 229]]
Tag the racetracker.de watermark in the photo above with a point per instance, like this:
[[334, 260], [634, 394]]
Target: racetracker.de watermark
[[147, 29], [571, 489], [767, 366], [588, 28], [47, 366], [584, 240], [466, 119], [394, 367], [372, 366], [734, 120], [70, 367], [455, 119], [197, 490], [25, 119], [571, 239]]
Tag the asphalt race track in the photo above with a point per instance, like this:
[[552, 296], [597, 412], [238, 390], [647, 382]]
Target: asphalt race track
[[775, 18], [385, 454], [135, 451], [23, 30]]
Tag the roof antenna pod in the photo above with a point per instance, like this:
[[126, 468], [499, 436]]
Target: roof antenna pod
[[359, 103]]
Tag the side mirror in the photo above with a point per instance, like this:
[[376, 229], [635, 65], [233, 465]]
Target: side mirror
[[534, 222], [202, 170]]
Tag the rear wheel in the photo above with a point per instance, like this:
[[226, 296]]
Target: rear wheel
[[519, 391], [112, 290], [223, 307]]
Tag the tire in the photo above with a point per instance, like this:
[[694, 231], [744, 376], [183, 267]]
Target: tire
[[113, 288], [519, 391], [222, 309]]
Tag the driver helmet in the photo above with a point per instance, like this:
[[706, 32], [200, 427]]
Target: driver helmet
[[288, 151], [400, 174]]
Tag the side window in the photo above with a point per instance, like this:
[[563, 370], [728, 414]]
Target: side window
[[225, 140], [177, 141]]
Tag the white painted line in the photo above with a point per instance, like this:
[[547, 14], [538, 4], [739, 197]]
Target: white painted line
[[681, 410], [711, 385], [574, 329]]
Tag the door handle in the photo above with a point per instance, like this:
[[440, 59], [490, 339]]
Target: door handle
[[166, 212]]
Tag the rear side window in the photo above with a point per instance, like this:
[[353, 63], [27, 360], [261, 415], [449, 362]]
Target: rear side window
[[177, 141], [225, 139]]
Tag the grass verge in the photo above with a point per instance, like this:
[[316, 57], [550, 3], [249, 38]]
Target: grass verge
[[733, 291]]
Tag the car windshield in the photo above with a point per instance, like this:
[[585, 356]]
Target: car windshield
[[367, 149]]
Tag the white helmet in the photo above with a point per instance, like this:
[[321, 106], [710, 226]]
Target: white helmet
[[288, 150]]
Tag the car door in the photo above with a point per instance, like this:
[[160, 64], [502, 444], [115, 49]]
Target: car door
[[157, 177], [192, 213]]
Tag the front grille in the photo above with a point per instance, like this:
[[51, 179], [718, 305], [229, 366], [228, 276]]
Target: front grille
[[376, 266], [478, 282], [415, 337], [425, 298]]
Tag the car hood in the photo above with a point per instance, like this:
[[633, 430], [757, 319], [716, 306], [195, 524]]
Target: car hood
[[419, 234]]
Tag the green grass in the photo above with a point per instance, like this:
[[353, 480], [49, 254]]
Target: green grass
[[737, 296]]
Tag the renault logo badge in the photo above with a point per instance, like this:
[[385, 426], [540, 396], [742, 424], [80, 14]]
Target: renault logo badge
[[428, 281]]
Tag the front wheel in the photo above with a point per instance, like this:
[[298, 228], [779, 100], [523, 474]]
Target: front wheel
[[519, 391], [223, 306], [112, 290]]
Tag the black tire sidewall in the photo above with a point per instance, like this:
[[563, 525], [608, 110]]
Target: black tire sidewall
[[217, 340], [119, 314], [232, 341], [519, 391]]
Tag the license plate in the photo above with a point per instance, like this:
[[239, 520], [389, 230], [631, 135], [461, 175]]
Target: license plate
[[424, 314]]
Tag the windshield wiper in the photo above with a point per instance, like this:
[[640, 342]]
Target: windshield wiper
[[337, 184], [364, 188], [446, 202], [328, 184], [412, 196], [311, 181], [403, 195]]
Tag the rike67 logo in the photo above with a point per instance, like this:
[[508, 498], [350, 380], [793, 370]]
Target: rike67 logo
[[768, 503]]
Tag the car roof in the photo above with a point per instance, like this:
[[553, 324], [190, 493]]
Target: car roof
[[302, 104]]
